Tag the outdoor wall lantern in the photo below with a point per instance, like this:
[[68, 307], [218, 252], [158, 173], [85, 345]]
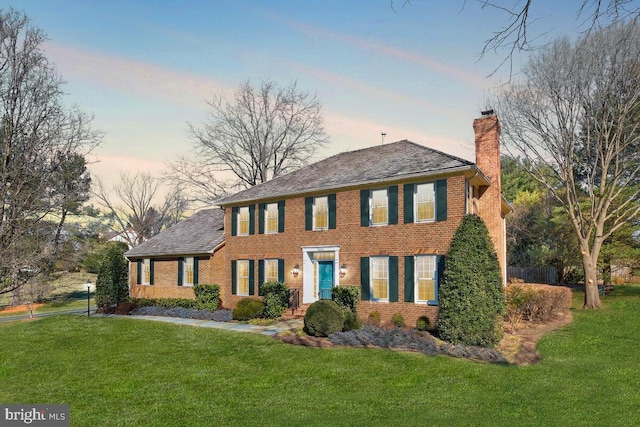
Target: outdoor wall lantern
[[296, 270], [343, 270]]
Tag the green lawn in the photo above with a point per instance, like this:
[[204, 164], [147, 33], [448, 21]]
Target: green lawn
[[131, 372]]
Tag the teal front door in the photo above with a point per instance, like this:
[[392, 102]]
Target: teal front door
[[325, 279]]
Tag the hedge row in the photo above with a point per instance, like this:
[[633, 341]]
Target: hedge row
[[536, 302]]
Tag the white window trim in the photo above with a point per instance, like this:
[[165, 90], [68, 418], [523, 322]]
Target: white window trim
[[386, 258], [238, 232], [185, 264], [266, 269], [382, 224], [238, 263], [416, 292], [146, 267], [315, 228], [266, 219], [415, 203]]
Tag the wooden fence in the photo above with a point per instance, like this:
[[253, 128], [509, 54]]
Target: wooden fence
[[548, 275]]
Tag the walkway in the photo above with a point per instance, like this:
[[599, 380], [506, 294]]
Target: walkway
[[270, 330]]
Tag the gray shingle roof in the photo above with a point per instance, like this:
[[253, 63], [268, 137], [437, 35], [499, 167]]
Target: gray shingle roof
[[373, 164], [199, 234]]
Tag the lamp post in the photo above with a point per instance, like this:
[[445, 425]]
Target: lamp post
[[88, 298]]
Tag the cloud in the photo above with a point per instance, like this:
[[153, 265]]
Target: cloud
[[132, 76], [431, 64]]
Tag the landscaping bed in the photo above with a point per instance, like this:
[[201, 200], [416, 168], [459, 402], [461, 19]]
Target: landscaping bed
[[185, 313]]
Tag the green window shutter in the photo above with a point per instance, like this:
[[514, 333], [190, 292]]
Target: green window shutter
[[234, 283], [364, 207], [409, 280], [308, 213], [281, 270], [252, 279], [261, 271], [364, 279], [151, 271], [180, 269], [252, 219], [332, 211], [408, 203], [439, 276], [139, 272], [392, 196], [393, 279], [281, 216], [234, 220], [441, 200], [195, 270], [261, 207]]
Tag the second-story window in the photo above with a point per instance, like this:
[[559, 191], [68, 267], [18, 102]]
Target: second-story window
[[321, 213], [425, 205], [243, 221], [271, 218], [379, 207]]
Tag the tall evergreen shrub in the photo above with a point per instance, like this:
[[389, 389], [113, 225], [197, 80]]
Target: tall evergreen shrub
[[471, 296], [111, 286]]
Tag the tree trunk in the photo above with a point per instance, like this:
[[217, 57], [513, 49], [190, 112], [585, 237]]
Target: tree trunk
[[591, 295]]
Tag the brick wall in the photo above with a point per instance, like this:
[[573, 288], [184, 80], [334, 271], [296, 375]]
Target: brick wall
[[354, 241]]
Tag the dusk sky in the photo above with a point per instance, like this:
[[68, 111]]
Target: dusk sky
[[146, 68]]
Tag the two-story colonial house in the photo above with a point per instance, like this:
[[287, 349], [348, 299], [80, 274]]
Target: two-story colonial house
[[380, 218]]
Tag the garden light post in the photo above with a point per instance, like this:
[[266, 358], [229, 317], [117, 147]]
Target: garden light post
[[88, 298]]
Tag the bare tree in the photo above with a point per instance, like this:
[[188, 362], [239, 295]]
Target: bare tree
[[36, 134], [261, 133], [516, 36], [574, 124], [135, 216]]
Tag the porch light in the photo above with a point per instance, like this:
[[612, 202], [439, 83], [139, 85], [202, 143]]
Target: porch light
[[295, 270], [343, 270]]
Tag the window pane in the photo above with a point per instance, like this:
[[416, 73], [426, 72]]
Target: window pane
[[147, 272], [379, 278], [425, 278], [188, 270], [243, 277], [271, 270], [379, 207], [271, 218], [425, 202], [243, 221], [321, 213]]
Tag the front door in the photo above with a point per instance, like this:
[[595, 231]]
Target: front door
[[325, 279]]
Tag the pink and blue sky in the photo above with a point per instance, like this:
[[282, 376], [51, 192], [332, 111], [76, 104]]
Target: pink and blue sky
[[145, 68]]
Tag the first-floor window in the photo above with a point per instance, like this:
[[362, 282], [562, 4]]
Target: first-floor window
[[146, 271], [425, 278], [243, 277], [270, 270], [379, 278], [188, 271]]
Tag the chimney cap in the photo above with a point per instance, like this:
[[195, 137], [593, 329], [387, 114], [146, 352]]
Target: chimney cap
[[488, 112]]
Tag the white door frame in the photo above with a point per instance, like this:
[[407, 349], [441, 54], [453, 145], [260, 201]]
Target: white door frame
[[309, 290]]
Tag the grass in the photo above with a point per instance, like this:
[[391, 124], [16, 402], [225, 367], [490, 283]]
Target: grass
[[116, 372]]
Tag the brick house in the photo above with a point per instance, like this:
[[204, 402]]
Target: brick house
[[380, 218], [170, 263]]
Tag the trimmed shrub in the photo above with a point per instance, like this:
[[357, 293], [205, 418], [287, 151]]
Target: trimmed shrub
[[276, 299], [112, 287], [323, 318], [248, 308], [207, 297], [346, 297], [164, 302], [351, 321], [535, 302], [398, 320], [423, 323], [471, 297], [374, 318]]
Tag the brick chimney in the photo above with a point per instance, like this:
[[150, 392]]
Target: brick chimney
[[487, 135]]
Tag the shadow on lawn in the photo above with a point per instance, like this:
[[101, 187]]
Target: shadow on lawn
[[625, 291]]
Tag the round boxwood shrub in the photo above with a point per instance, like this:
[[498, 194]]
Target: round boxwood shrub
[[248, 308], [471, 297], [374, 318], [351, 321], [423, 323], [398, 320], [323, 318]]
